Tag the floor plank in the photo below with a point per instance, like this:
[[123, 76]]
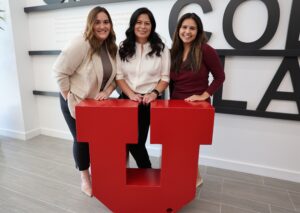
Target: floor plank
[[39, 175]]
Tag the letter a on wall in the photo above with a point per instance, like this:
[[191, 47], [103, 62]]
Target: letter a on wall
[[108, 126]]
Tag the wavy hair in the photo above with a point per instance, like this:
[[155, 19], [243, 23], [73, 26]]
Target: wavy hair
[[128, 47], [195, 54], [90, 36]]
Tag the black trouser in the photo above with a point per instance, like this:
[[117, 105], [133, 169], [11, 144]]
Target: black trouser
[[139, 151], [81, 151]]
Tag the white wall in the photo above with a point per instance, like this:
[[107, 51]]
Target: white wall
[[19, 116], [11, 114], [257, 145]]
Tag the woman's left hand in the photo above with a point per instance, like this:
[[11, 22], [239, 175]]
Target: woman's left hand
[[101, 96], [148, 98], [201, 97]]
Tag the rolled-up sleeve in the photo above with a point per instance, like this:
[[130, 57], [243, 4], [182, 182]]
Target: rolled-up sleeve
[[120, 74], [166, 63]]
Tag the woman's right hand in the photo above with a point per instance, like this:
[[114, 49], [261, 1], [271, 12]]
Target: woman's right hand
[[136, 97], [204, 96], [65, 94]]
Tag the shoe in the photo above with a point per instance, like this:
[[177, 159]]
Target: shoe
[[86, 189], [199, 182], [86, 184]]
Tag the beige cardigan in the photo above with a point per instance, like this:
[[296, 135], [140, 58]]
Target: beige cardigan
[[75, 72]]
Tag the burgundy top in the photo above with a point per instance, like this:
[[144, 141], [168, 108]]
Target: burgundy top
[[186, 82]]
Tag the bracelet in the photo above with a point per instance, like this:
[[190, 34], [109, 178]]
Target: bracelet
[[155, 91]]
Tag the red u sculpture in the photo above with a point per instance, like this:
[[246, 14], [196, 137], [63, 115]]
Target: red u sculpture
[[178, 125]]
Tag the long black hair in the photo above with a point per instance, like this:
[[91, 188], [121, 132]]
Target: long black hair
[[127, 47]]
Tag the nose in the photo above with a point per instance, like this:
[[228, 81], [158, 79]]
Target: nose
[[101, 25], [143, 25]]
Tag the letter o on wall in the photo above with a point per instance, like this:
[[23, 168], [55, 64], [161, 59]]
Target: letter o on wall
[[272, 24], [53, 1]]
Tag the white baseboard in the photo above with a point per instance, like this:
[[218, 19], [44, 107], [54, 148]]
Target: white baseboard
[[20, 134], [32, 133], [57, 133], [256, 169], [239, 166], [35, 132]]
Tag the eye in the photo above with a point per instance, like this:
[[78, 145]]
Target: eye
[[106, 22]]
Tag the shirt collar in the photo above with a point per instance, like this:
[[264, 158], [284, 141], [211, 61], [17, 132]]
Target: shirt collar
[[146, 45]]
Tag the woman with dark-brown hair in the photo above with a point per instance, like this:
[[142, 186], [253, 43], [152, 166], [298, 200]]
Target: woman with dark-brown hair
[[86, 69], [192, 60]]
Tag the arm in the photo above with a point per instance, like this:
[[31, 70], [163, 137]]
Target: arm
[[103, 95], [204, 96], [65, 94], [123, 85], [161, 86], [164, 78], [212, 61], [67, 62]]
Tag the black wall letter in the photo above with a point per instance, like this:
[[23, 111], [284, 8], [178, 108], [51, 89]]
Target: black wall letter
[[292, 41], [272, 24], [288, 64]]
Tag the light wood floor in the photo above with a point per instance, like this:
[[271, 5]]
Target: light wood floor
[[38, 176]]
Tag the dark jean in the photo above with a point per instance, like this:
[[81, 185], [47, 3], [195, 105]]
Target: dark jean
[[81, 151], [139, 151]]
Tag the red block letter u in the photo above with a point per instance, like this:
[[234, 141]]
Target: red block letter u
[[179, 126]]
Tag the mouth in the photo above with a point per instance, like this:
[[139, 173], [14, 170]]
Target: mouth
[[142, 32], [187, 37], [102, 31]]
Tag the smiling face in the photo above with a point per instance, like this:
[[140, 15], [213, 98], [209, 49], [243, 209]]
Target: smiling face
[[102, 26], [188, 31], [142, 28]]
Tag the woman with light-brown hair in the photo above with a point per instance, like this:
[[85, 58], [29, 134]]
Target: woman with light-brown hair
[[86, 69]]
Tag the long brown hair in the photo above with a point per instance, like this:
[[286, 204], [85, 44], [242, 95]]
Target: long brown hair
[[89, 34], [195, 54]]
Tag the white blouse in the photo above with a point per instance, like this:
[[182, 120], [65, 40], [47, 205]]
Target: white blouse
[[142, 72]]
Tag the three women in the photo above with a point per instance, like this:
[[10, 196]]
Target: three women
[[86, 68]]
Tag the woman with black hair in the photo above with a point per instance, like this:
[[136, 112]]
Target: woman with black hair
[[143, 68]]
